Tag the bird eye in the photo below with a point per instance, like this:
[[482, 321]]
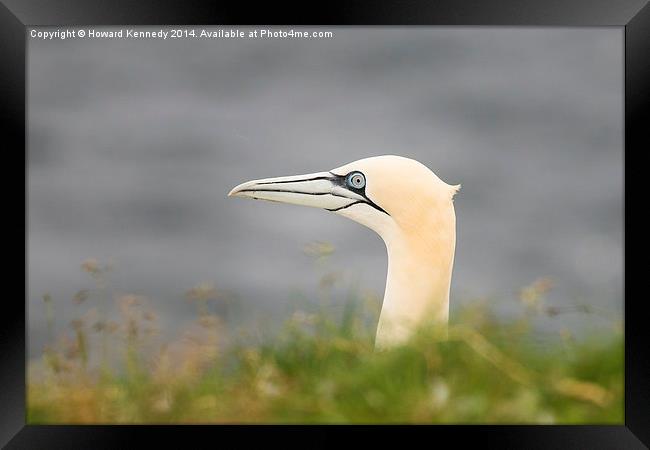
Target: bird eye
[[356, 180]]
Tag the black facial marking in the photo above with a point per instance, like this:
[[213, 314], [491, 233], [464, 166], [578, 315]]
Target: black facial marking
[[343, 207], [340, 180]]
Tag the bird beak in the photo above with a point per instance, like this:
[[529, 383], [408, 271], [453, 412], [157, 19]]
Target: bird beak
[[320, 190]]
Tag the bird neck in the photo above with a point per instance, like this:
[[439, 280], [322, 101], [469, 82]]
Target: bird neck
[[420, 261]]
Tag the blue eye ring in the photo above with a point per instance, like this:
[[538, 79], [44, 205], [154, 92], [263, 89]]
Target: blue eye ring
[[356, 180]]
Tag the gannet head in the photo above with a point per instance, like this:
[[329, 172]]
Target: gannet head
[[409, 207], [385, 193]]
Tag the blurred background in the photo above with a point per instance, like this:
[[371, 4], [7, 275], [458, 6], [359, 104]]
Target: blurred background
[[134, 144]]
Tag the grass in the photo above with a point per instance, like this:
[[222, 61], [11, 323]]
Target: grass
[[321, 368]]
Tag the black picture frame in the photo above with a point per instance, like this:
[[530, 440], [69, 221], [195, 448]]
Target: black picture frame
[[17, 15]]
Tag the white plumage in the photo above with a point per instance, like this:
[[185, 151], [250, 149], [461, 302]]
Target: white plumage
[[413, 212]]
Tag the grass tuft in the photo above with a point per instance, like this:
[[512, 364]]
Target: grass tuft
[[320, 368]]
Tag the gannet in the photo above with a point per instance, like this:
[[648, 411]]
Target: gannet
[[410, 208]]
